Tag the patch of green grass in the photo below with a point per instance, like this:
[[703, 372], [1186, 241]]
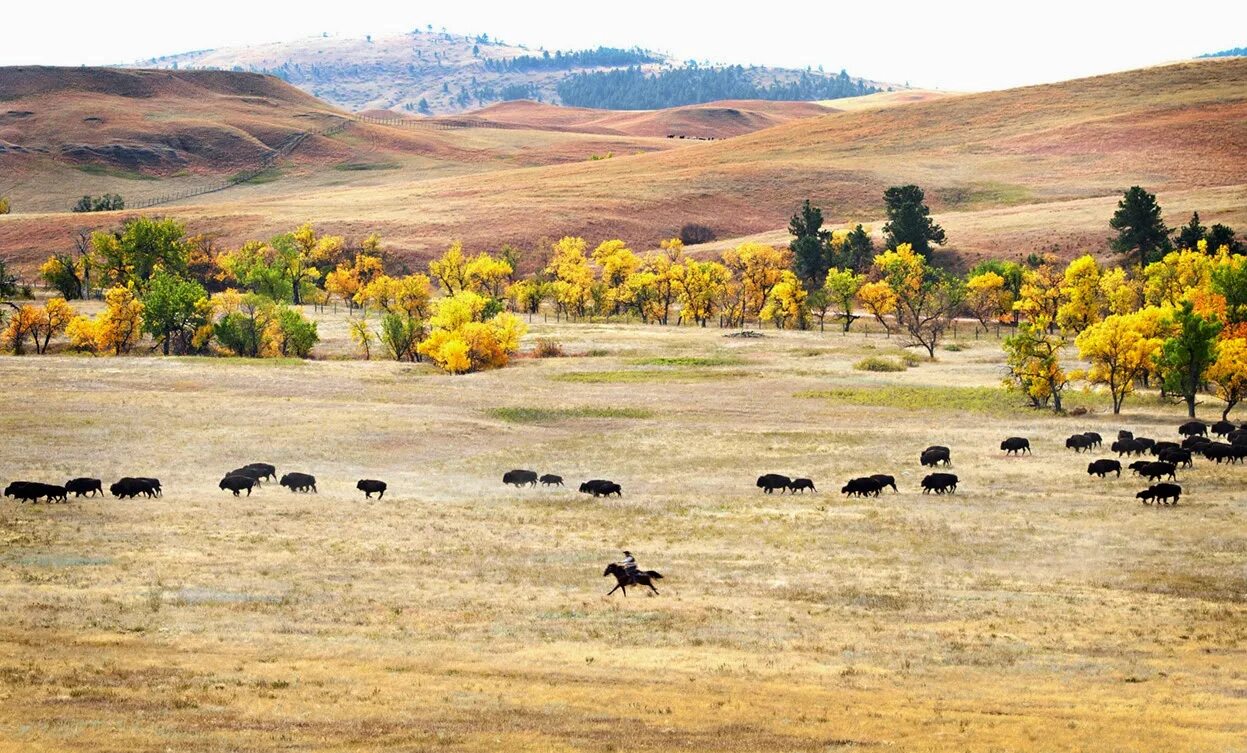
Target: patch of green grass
[[876, 363], [990, 400], [109, 171], [367, 166], [264, 176], [956, 347], [984, 193], [690, 362], [530, 415], [641, 375]]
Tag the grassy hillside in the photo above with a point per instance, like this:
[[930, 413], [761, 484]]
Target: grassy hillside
[[1028, 169], [1035, 609]]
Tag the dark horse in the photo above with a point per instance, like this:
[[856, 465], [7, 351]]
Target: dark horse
[[640, 578]]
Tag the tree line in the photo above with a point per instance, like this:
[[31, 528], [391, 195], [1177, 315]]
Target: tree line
[[599, 57], [634, 89]]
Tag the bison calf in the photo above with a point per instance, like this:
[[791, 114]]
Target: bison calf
[[551, 480], [299, 482]]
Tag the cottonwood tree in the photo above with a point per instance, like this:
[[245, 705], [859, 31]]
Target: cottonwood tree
[[1189, 353], [879, 300], [1228, 373], [926, 298], [698, 285], [573, 278], [987, 300], [451, 270], [1121, 350], [142, 246], [1033, 359], [840, 291], [173, 311], [1081, 296]]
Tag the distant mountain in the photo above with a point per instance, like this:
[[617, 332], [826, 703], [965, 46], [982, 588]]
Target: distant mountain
[[1232, 53], [430, 73]]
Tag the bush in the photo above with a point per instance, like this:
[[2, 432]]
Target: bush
[[401, 335], [954, 347], [876, 363], [692, 233], [5, 205], [548, 347], [296, 334], [239, 333], [109, 202]]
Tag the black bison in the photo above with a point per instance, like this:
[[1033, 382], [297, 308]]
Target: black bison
[[936, 455], [520, 478], [33, 491], [1146, 443], [236, 484], [940, 483], [1128, 447], [1123, 434], [1096, 439], [1193, 429], [1102, 468], [255, 474], [80, 487], [867, 486], [551, 480], [885, 480], [1160, 447], [371, 486], [299, 482], [1079, 442], [1220, 451], [800, 485], [772, 481], [1177, 456], [129, 488], [153, 486], [1165, 494], [601, 488], [1194, 443], [267, 472], [1015, 445], [1222, 428], [1157, 471]]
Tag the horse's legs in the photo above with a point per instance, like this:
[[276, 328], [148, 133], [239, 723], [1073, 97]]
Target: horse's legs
[[651, 587], [616, 588]]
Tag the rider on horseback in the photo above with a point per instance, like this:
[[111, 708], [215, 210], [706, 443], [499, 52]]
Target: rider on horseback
[[628, 563]]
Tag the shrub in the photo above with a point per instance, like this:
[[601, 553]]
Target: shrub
[[548, 347], [692, 233], [954, 347], [876, 363], [295, 334], [5, 205], [107, 203], [401, 336]]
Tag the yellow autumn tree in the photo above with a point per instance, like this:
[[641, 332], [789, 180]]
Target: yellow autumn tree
[[1168, 282], [879, 300], [460, 342], [785, 304], [617, 262], [116, 330], [346, 280], [488, 275], [1122, 349], [23, 326], [573, 278], [1040, 298], [451, 270], [840, 290], [759, 268], [1082, 296], [987, 298], [699, 285], [1228, 374], [1122, 293], [660, 264]]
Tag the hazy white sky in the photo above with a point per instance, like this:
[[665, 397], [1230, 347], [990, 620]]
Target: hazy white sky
[[949, 45]]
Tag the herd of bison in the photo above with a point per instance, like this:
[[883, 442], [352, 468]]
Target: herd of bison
[[1168, 457]]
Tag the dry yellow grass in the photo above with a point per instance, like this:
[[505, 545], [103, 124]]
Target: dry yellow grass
[[1036, 609]]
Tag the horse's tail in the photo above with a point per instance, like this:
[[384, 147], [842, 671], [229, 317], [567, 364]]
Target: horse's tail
[[653, 574]]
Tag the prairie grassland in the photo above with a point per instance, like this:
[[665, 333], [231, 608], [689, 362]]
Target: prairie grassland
[[1036, 609]]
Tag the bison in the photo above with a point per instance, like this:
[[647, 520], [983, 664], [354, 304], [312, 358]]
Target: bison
[[1157, 471], [936, 455], [885, 480], [371, 486], [551, 480], [771, 481], [867, 486], [255, 474], [1177, 456], [267, 472], [129, 488], [1128, 447], [940, 483], [1079, 442], [800, 485], [1124, 434], [1222, 428], [1096, 439], [1194, 443], [601, 488], [1104, 467], [299, 482], [1160, 447], [33, 491], [80, 487], [1016, 445], [1161, 494], [1193, 429], [519, 478], [234, 483]]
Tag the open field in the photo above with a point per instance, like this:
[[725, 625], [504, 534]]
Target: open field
[[1035, 609]]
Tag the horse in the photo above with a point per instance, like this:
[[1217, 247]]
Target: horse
[[640, 578]]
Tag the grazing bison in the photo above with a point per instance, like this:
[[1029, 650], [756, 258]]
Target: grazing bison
[[772, 481], [1222, 428], [936, 455], [371, 486], [33, 491], [1123, 434], [236, 484], [129, 488], [601, 488], [1015, 445], [1194, 443], [1218, 451], [520, 478], [1165, 494], [867, 486], [1096, 439], [1079, 442], [1160, 447], [255, 474], [885, 480], [1177, 456], [1193, 429], [1102, 468], [1128, 447], [551, 480], [1157, 471], [299, 482], [80, 487], [800, 485], [267, 472], [940, 483]]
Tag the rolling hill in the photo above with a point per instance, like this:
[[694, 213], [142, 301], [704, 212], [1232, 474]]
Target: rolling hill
[[1009, 172], [427, 72]]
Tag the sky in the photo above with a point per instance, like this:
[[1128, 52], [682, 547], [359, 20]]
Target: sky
[[956, 46]]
